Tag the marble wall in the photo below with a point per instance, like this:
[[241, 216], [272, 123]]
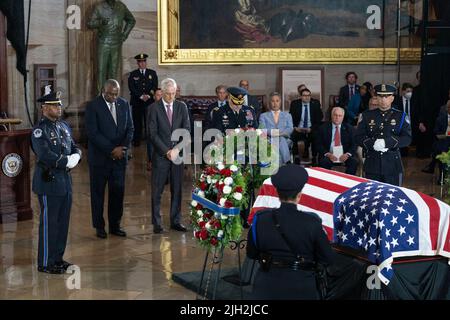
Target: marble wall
[[73, 51]]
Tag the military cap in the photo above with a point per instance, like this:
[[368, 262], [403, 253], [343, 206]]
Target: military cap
[[237, 95], [50, 97], [385, 89], [141, 56], [290, 178]]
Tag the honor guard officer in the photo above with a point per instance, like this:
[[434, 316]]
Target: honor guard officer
[[234, 114], [290, 245], [381, 133], [142, 83], [56, 154]]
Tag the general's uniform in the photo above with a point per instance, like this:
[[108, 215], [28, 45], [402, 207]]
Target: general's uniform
[[225, 118], [52, 143], [394, 128], [290, 243], [141, 83]]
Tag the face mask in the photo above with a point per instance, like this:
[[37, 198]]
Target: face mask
[[408, 95]]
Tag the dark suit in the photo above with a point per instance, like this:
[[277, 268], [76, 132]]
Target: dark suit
[[323, 143], [160, 136], [315, 114], [441, 145], [253, 102], [139, 85], [103, 136], [344, 95], [210, 112]]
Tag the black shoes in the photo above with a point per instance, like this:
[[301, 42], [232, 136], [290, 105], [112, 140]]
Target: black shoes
[[101, 233], [178, 227], [118, 232], [64, 265], [157, 229], [52, 269]]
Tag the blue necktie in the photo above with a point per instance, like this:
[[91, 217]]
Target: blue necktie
[[305, 117]]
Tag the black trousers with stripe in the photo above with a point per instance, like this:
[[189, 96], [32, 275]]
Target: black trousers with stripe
[[53, 228]]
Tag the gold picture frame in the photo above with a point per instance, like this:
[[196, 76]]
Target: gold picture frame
[[170, 53]]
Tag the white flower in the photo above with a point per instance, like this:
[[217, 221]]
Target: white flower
[[213, 180], [221, 181], [222, 201], [194, 203], [234, 168], [227, 190], [237, 196], [259, 132], [208, 179], [199, 220], [200, 213], [216, 214], [220, 234], [224, 217], [237, 130], [220, 166], [208, 226], [228, 181], [201, 194]]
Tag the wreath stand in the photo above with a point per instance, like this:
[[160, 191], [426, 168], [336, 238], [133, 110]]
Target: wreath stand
[[217, 256]]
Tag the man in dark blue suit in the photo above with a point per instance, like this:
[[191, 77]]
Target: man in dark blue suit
[[349, 90], [110, 130]]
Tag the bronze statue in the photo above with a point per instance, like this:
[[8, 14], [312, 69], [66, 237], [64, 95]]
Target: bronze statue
[[113, 22]]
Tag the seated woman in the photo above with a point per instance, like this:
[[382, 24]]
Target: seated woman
[[277, 119], [357, 104]]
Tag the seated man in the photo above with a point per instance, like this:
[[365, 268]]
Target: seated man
[[306, 116], [335, 143], [442, 144]]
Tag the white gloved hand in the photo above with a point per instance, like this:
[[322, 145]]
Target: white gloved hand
[[73, 160], [379, 145]]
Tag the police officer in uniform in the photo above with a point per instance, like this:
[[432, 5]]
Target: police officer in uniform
[[234, 114], [289, 244], [56, 154], [381, 133], [142, 83]]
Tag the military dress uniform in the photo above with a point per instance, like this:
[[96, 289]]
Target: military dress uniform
[[394, 128], [225, 117], [289, 244], [141, 83], [53, 145]]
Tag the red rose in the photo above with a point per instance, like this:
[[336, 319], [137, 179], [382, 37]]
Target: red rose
[[213, 241], [202, 224], [217, 224], [199, 207], [203, 185], [207, 216], [197, 234], [238, 189], [226, 172], [204, 234], [228, 204]]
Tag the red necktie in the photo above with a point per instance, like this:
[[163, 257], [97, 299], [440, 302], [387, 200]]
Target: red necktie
[[169, 113], [337, 137]]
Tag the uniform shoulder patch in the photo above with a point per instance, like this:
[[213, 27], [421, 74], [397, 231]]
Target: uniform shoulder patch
[[37, 133]]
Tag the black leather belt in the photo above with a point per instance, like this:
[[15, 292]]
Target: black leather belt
[[293, 265]]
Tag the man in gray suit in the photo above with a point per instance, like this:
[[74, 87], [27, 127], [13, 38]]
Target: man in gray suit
[[164, 117]]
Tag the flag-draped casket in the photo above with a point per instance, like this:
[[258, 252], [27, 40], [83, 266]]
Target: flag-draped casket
[[382, 220]]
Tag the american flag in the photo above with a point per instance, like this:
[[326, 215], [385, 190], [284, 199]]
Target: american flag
[[383, 220]]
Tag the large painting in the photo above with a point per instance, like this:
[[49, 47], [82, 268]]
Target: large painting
[[289, 31]]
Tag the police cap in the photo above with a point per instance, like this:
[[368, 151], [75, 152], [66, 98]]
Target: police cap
[[53, 98], [237, 95], [385, 89], [290, 178], [141, 57]]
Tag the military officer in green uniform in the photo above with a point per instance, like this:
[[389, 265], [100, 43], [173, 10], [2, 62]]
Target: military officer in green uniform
[[113, 22], [142, 83], [381, 133]]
